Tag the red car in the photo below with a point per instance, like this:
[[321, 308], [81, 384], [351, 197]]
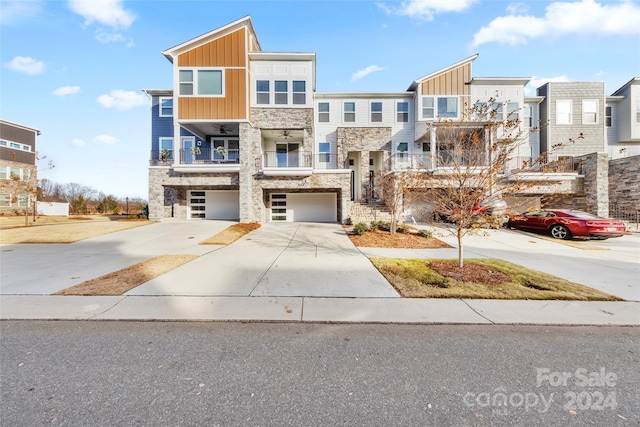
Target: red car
[[568, 223]]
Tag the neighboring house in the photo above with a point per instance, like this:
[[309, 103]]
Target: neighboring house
[[17, 166], [243, 135], [623, 120]]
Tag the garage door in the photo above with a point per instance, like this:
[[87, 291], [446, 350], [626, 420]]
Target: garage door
[[215, 204], [304, 207]]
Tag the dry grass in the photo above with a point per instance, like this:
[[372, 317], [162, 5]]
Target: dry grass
[[481, 279], [121, 281], [231, 234], [63, 229]]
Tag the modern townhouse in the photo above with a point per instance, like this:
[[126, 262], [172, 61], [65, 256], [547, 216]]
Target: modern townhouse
[[243, 134], [17, 165]]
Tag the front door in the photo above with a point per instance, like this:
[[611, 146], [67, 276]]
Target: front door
[[188, 142]]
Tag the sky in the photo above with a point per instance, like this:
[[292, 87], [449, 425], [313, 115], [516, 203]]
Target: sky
[[75, 69]]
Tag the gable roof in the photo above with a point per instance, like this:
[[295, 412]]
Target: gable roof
[[212, 35], [624, 86], [417, 82]]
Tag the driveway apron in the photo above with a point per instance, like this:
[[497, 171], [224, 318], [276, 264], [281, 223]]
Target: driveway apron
[[278, 259]]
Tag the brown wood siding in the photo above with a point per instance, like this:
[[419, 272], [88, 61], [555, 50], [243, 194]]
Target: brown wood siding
[[227, 51], [450, 83], [232, 106], [17, 134]]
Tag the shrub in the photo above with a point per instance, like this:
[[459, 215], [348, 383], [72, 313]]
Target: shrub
[[402, 228], [360, 228], [381, 225], [425, 233]]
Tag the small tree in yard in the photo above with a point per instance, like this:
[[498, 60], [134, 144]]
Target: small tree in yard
[[474, 155]]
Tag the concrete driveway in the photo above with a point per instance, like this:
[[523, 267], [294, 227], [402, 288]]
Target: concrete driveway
[[302, 259]]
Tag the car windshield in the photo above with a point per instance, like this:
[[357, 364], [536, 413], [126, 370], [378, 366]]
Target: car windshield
[[583, 215]]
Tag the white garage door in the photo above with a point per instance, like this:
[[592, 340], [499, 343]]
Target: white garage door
[[215, 204], [304, 207]]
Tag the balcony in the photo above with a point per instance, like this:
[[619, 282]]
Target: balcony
[[202, 159], [286, 163]]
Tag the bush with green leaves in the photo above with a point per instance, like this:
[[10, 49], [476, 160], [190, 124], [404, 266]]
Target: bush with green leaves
[[360, 228], [401, 228], [425, 233], [381, 225]]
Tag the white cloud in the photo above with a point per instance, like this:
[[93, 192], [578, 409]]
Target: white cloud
[[66, 90], [365, 72], [106, 12], [105, 139], [122, 100], [77, 142], [536, 82], [107, 37], [26, 65], [16, 10], [581, 17], [427, 9]]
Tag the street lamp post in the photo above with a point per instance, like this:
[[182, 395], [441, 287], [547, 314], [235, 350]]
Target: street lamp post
[[127, 202]]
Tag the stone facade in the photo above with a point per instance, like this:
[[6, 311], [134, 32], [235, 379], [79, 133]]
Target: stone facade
[[595, 169], [624, 189]]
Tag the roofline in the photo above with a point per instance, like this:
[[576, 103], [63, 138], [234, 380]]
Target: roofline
[[346, 95], [169, 53], [158, 92], [536, 99], [507, 80], [616, 98], [296, 56], [18, 125], [435, 73], [635, 79]]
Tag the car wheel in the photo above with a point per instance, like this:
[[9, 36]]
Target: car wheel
[[560, 232]]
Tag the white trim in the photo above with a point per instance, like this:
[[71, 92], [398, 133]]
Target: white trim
[[350, 112], [160, 99], [596, 112], [570, 103]]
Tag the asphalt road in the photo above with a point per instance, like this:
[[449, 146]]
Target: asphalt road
[[259, 374]]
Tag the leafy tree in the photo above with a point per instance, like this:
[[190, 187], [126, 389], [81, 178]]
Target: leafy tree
[[108, 204]]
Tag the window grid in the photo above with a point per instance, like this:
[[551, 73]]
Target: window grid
[[376, 112], [323, 112], [349, 111]]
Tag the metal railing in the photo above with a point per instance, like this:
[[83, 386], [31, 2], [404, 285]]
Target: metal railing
[[326, 161], [400, 161], [161, 158], [548, 164], [630, 216], [292, 159], [205, 155]]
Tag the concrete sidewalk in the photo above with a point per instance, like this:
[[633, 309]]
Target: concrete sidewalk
[[306, 309], [303, 273]]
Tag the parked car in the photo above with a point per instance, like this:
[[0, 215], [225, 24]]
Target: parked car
[[491, 211], [568, 223]]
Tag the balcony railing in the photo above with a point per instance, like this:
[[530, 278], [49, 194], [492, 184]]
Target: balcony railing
[[409, 161], [161, 158], [207, 156], [293, 159], [326, 161], [549, 164]]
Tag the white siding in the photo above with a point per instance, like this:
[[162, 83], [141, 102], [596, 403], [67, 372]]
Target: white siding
[[282, 70]]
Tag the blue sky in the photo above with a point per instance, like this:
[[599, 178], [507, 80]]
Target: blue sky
[[74, 69]]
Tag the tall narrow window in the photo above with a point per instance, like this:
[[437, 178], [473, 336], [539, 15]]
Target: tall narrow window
[[166, 148], [448, 107], [376, 112], [5, 200], [608, 116], [281, 92], [528, 115], [496, 108], [166, 107], [428, 108], [323, 112], [638, 112], [349, 111], [299, 92], [563, 112], [403, 112], [589, 111], [4, 172], [186, 82], [324, 150], [262, 92]]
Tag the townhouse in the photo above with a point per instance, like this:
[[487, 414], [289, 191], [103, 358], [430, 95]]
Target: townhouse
[[17, 166], [242, 134]]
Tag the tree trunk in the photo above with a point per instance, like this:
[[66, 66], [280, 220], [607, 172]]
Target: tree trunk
[[460, 250]]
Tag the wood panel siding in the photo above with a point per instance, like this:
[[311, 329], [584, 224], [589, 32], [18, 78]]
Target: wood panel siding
[[232, 106], [226, 51], [452, 82]]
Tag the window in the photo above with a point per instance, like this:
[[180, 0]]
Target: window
[[166, 107], [513, 110], [323, 112], [166, 148], [205, 82], [5, 200], [428, 110], [3, 172], [607, 113], [528, 115], [349, 111], [26, 174], [324, 148], [496, 111], [14, 145], [403, 112], [563, 112], [638, 112], [403, 147], [448, 107], [14, 173], [376, 112], [589, 111], [23, 201], [26, 148], [262, 92], [281, 92], [299, 92], [480, 111], [3, 142]]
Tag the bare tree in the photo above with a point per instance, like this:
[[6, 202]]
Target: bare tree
[[477, 159], [77, 195]]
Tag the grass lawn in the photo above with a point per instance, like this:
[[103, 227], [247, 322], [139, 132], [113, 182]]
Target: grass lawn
[[56, 229], [480, 279]]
